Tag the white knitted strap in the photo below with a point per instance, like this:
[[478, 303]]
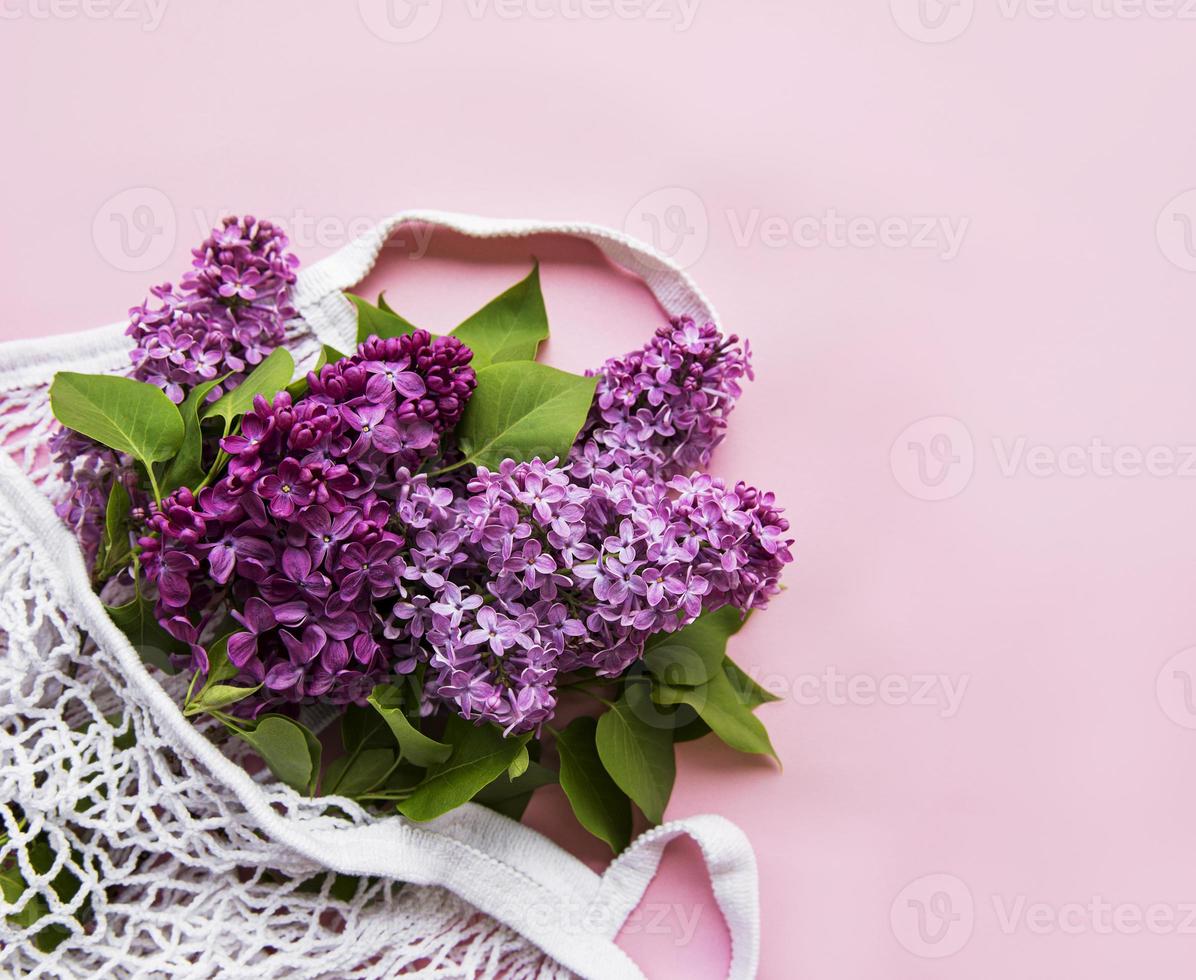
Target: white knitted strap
[[319, 300], [732, 867]]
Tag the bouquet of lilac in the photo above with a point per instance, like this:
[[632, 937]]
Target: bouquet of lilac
[[500, 575]]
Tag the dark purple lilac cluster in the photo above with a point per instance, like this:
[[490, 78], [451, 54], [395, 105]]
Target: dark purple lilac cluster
[[228, 312], [302, 534], [664, 407]]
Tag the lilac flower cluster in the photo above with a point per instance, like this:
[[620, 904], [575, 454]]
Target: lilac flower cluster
[[302, 534], [664, 408], [228, 312], [553, 575]]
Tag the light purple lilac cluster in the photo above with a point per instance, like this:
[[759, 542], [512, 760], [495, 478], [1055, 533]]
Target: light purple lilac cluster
[[228, 312], [302, 534], [554, 574], [664, 408]]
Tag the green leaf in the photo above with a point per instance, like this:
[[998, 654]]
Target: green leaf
[[375, 322], [115, 549], [601, 807], [137, 621], [186, 469], [720, 706], [216, 696], [267, 380], [362, 727], [510, 797], [126, 415], [220, 668], [288, 748], [480, 755], [748, 691], [696, 653], [509, 327], [638, 756], [353, 775], [414, 745], [519, 766], [521, 410]]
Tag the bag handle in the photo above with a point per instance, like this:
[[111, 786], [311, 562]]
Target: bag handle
[[317, 294]]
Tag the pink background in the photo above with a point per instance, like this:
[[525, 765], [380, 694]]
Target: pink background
[[1052, 804]]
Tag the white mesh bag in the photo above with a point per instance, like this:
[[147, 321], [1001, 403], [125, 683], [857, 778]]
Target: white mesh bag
[[180, 863]]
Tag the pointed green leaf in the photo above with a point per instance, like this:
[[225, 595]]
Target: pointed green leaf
[[414, 745], [639, 757], [521, 410], [218, 696], [509, 327], [480, 755], [510, 797], [718, 704], [215, 693], [115, 548], [353, 775], [186, 469], [601, 807], [519, 766], [696, 653], [288, 748], [267, 380], [748, 691], [375, 322], [126, 415]]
